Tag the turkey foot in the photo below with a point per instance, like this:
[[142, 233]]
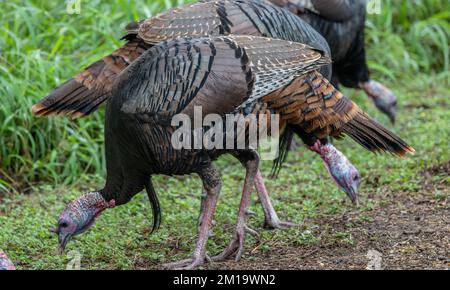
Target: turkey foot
[[236, 246], [276, 224], [187, 264]]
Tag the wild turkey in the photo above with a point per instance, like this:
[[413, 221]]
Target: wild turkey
[[346, 39], [238, 17], [239, 75], [5, 262], [85, 92]]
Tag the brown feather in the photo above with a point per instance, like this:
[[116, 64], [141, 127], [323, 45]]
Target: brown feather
[[89, 89], [323, 111]]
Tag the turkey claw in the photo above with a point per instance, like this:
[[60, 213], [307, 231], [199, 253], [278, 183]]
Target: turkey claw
[[236, 246], [187, 264], [279, 225]]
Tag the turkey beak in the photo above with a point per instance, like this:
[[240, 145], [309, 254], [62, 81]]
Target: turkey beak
[[354, 196], [392, 115], [352, 193], [62, 239], [390, 110], [384, 99]]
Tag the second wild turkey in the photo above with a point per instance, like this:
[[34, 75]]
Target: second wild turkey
[[223, 75], [344, 32], [88, 90]]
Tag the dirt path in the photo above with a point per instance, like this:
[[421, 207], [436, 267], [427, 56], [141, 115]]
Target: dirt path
[[407, 230]]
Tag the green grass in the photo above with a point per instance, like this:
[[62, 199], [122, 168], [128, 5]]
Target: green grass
[[46, 162], [41, 46]]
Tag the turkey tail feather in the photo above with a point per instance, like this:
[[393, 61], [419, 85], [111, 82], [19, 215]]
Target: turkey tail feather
[[374, 137], [316, 109], [84, 93], [71, 98]]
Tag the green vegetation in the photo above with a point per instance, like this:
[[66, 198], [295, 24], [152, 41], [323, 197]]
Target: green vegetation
[[46, 162]]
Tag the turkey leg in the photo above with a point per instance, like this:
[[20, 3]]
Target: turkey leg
[[236, 247], [211, 184], [271, 219]]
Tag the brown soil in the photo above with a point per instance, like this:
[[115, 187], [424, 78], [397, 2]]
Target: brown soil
[[411, 230]]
